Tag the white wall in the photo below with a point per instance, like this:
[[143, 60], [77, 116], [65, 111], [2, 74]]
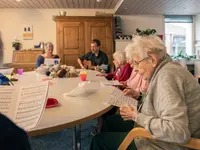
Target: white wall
[[12, 22], [197, 27], [131, 23]]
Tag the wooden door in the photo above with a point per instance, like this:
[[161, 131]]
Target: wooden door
[[101, 29], [70, 41]]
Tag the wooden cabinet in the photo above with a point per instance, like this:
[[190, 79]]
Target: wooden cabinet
[[74, 36], [70, 41], [25, 59]]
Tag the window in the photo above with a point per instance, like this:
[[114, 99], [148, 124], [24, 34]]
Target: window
[[179, 35]]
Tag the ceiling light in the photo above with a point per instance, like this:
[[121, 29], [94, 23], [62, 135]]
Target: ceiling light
[[18, 0], [99, 1]]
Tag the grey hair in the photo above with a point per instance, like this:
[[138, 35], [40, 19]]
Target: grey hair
[[144, 45], [119, 56], [1, 50], [47, 45]]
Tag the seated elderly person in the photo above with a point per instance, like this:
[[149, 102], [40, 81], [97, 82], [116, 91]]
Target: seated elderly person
[[48, 53], [123, 69], [133, 87], [122, 73], [170, 109], [136, 84]]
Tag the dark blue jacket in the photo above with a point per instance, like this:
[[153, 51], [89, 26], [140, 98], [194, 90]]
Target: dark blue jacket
[[11, 136]]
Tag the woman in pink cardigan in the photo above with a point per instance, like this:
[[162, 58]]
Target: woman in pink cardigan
[[123, 69], [136, 84]]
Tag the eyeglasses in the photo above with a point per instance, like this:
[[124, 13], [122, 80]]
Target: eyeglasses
[[138, 62]]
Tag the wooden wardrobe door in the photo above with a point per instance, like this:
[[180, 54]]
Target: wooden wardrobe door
[[70, 41], [100, 29]]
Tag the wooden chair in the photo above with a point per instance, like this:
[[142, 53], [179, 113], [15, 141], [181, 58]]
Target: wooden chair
[[136, 132]]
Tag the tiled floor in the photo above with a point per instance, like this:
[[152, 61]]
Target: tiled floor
[[62, 140]]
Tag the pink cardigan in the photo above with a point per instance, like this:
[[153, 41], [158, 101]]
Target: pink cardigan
[[121, 74], [137, 82]]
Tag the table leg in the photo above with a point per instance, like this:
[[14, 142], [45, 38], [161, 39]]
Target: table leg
[[77, 137]]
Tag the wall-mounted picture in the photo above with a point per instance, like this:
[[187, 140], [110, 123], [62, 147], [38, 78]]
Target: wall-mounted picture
[[28, 33]]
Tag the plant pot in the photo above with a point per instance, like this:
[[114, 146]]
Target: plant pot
[[17, 48]]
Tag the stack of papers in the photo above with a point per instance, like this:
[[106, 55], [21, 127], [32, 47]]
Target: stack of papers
[[76, 92], [26, 106], [85, 88], [6, 71], [110, 83], [51, 61], [117, 98]]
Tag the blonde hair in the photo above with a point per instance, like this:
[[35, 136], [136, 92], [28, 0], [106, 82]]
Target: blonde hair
[[142, 46], [47, 45], [119, 56]]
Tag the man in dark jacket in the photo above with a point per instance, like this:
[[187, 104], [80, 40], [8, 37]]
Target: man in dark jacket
[[96, 56]]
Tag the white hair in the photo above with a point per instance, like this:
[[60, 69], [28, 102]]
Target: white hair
[[142, 46], [129, 51], [119, 56], [47, 45]]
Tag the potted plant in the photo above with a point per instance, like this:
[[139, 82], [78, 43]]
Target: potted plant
[[184, 57], [16, 44]]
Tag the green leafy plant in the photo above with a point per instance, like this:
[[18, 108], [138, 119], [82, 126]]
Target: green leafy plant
[[146, 32], [181, 55], [16, 44]]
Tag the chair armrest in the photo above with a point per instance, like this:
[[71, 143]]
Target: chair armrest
[[135, 132], [141, 132]]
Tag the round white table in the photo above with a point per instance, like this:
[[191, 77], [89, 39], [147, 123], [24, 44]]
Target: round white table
[[71, 111]]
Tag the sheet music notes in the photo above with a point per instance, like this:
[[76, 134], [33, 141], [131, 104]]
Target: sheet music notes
[[31, 105], [117, 98], [26, 106], [6, 98]]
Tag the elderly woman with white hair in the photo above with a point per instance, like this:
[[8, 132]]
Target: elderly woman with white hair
[[136, 84], [48, 53], [122, 73], [170, 109], [123, 69]]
